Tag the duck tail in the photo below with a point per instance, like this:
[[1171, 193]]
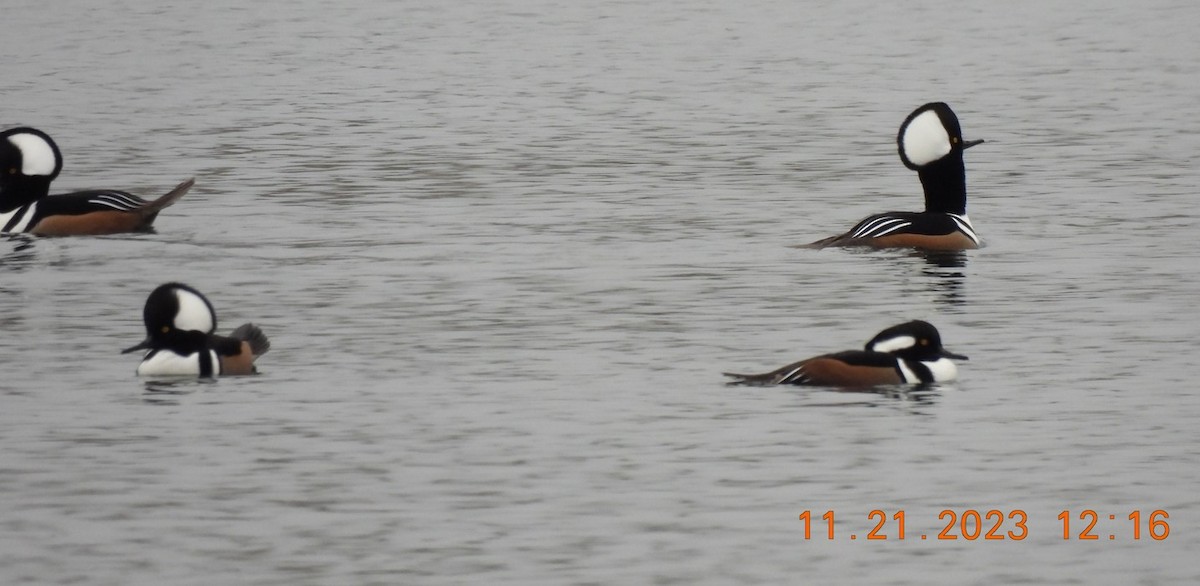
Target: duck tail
[[151, 209], [250, 333]]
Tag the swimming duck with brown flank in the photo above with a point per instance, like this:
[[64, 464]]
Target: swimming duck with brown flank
[[908, 353], [30, 160], [931, 143], [180, 322]]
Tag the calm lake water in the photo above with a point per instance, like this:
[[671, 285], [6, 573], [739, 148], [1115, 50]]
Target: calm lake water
[[503, 251]]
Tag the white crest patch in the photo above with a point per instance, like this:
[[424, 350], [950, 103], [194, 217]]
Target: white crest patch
[[194, 313], [37, 155], [943, 370], [893, 344], [925, 139]]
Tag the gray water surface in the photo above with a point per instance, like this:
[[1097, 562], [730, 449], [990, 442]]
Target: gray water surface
[[503, 251]]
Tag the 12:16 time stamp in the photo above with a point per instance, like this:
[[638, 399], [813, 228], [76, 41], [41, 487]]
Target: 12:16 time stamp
[[971, 524]]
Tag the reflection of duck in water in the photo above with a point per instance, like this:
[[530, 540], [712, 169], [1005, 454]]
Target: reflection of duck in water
[[21, 254], [931, 144], [943, 273], [29, 161], [908, 353], [942, 259]]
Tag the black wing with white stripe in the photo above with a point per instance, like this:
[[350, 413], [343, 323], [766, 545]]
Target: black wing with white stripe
[[83, 202], [26, 217], [894, 223], [795, 373]]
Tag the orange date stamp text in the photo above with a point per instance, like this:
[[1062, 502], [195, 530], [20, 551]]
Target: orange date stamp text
[[993, 525]]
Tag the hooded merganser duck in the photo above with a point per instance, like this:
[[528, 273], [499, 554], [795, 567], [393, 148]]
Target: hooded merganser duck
[[931, 143], [180, 323], [29, 161], [907, 353]]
